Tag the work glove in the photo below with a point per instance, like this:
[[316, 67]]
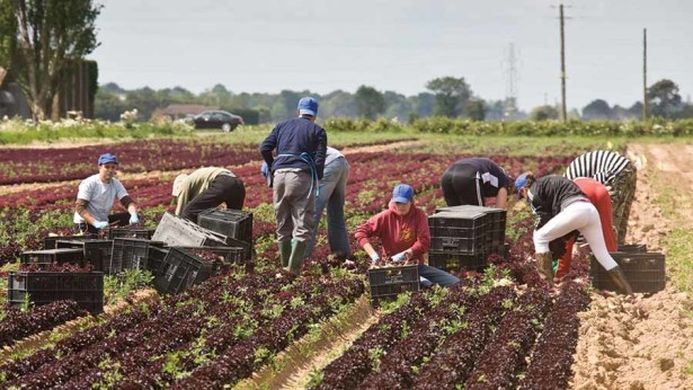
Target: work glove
[[100, 224], [399, 257], [134, 219], [374, 258]]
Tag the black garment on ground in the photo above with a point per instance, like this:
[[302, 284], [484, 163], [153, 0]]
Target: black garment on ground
[[223, 189], [470, 180], [549, 193], [122, 219]]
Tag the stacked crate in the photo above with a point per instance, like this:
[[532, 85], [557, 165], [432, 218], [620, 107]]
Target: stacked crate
[[236, 225], [644, 271], [462, 237], [176, 231]]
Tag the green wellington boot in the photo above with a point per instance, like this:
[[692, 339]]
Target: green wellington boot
[[543, 261], [298, 249], [284, 252]]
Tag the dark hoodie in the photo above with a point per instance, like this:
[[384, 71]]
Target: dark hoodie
[[397, 233]]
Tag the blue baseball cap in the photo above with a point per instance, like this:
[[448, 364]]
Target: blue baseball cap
[[107, 158], [308, 106], [403, 193], [521, 182]]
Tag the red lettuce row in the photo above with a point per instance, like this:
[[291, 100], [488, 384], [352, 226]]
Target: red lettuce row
[[504, 356], [552, 356], [17, 324], [456, 357], [400, 365]]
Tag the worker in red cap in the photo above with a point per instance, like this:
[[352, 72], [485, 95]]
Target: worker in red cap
[[96, 196]]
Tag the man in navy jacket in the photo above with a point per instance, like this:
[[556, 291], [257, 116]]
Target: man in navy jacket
[[294, 174]]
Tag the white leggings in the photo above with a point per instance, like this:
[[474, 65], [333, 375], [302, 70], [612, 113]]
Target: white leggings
[[580, 216]]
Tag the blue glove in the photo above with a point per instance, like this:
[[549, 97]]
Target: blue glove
[[374, 258], [134, 219], [100, 224], [264, 170], [399, 257]]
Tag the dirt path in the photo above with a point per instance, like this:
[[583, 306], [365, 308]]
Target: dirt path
[[642, 342]]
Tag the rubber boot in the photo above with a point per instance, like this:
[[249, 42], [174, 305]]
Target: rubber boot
[[298, 249], [543, 262], [619, 279], [284, 252]]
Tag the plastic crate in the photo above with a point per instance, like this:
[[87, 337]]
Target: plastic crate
[[97, 253], [464, 232], [387, 283], [236, 224], [453, 261], [645, 271], [176, 231], [155, 260], [182, 270], [50, 241], [48, 256], [130, 253], [40, 288], [129, 232]]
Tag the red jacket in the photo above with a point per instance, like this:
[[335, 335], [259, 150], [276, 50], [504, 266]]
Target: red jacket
[[397, 233]]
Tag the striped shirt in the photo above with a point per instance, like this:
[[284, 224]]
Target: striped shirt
[[601, 165]]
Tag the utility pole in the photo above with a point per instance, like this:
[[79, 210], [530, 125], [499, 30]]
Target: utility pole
[[645, 103], [564, 114]]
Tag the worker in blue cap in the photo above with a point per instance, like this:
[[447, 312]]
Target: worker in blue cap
[[294, 175], [96, 196]]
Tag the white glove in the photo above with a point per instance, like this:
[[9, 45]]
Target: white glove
[[374, 258], [100, 224], [399, 257], [134, 219]]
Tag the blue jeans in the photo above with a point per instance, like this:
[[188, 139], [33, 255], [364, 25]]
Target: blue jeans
[[433, 275], [332, 195]]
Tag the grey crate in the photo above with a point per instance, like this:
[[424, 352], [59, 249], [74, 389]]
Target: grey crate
[[176, 231]]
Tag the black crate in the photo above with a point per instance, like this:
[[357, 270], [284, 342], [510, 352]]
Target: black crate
[[182, 270], [97, 253], [386, 283], [128, 232], [231, 223], [40, 288], [130, 253], [50, 241], [155, 260], [454, 261], [48, 256], [464, 232], [646, 272], [630, 248], [176, 231]]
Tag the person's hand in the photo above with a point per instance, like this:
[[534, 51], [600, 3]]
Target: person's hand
[[100, 224], [375, 258], [134, 219], [399, 257]]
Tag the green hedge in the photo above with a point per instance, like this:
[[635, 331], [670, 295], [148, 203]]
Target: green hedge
[[654, 127], [362, 125]]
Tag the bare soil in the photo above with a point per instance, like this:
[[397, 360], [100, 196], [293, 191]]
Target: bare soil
[[641, 342]]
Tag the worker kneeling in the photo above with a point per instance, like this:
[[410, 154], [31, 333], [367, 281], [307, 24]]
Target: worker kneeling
[[403, 231]]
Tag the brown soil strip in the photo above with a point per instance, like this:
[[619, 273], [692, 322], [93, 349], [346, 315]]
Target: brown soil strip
[[640, 342], [47, 338], [291, 369]]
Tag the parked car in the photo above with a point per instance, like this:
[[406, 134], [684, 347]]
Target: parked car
[[217, 120]]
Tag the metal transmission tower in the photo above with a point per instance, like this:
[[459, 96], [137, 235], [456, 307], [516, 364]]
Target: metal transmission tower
[[510, 71], [564, 114]]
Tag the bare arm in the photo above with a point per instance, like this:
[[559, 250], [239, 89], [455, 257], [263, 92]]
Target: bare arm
[[502, 198]]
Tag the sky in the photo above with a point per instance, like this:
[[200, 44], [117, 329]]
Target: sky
[[398, 45]]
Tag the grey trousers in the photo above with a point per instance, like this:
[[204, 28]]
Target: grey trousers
[[294, 205]]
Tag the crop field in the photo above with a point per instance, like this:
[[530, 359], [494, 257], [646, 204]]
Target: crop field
[[253, 327]]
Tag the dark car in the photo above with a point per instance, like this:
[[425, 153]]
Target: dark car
[[217, 120]]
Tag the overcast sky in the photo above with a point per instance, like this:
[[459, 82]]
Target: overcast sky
[[324, 45]]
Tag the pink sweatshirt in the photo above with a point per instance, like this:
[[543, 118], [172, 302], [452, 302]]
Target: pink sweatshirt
[[397, 233]]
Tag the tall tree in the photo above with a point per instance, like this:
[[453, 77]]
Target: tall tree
[[451, 95], [369, 102], [664, 98], [50, 34], [8, 37], [597, 109]]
